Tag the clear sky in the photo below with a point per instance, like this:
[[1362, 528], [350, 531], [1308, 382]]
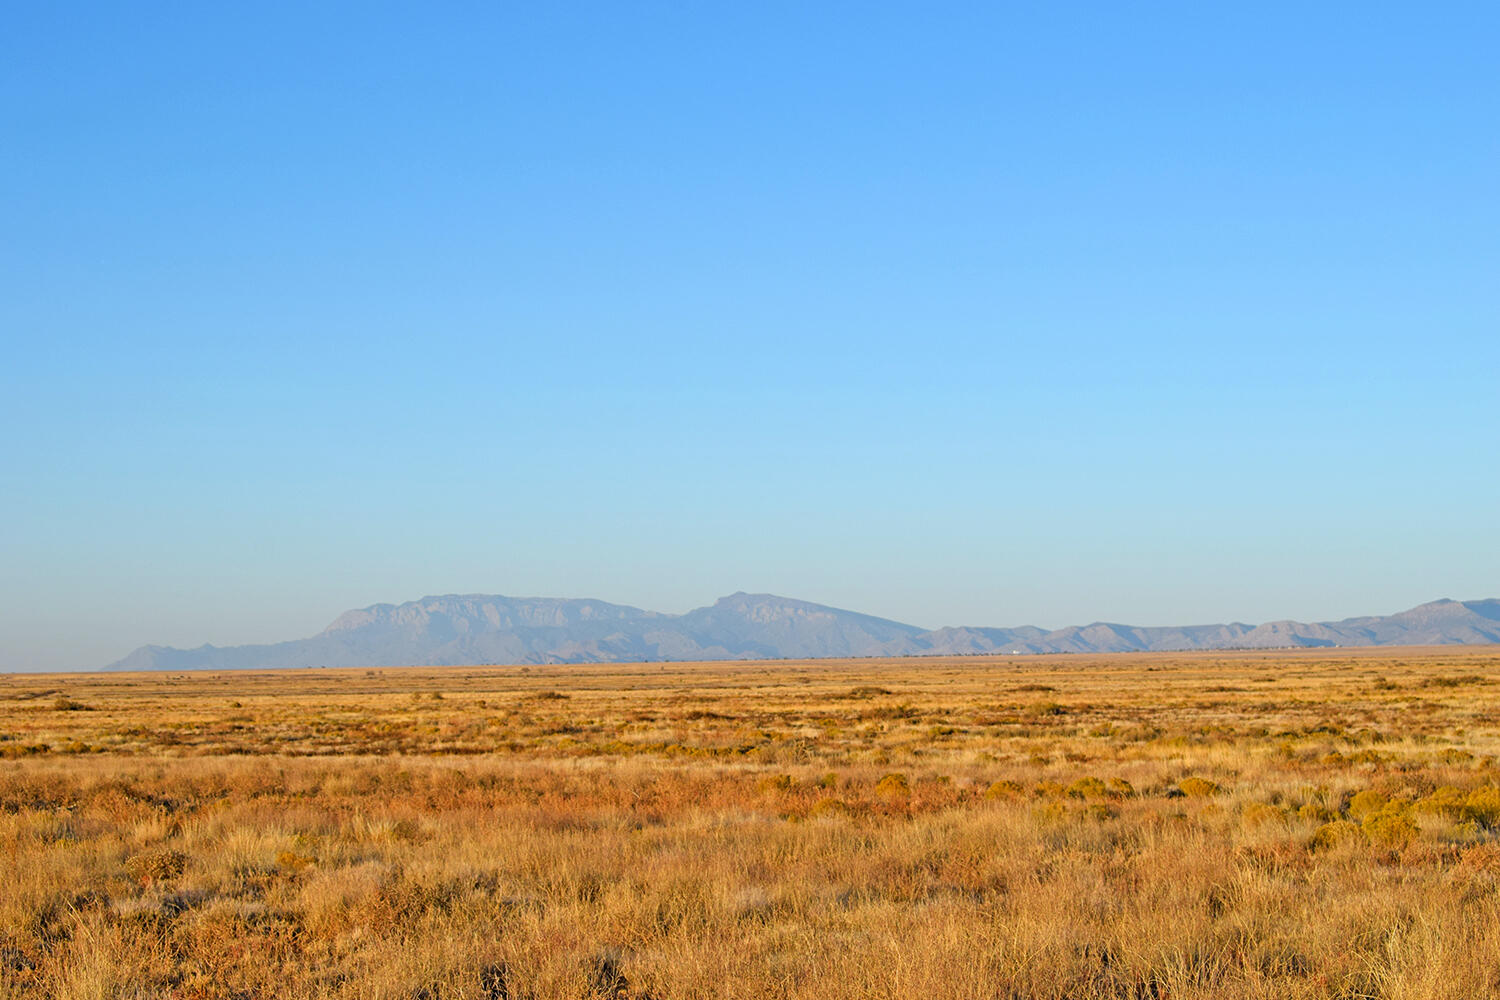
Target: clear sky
[[978, 314]]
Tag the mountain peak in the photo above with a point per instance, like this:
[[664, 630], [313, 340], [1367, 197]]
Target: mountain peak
[[744, 597], [455, 629]]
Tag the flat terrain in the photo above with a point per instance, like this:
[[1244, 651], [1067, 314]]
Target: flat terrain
[[1270, 824]]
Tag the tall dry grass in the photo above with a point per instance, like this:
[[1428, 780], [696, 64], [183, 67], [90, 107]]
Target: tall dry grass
[[1273, 825]]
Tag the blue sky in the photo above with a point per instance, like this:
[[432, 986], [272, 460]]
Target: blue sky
[[959, 314]]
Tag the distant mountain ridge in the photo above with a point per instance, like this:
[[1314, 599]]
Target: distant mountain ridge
[[467, 629]]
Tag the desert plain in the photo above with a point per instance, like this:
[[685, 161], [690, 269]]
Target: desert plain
[[1273, 824]]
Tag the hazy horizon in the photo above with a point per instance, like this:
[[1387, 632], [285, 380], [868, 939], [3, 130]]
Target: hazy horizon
[[965, 316], [858, 611]]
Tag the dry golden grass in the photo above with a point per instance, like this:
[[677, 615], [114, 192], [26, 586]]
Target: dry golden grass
[[1292, 824]]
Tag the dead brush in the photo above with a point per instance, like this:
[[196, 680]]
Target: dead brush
[[151, 867], [866, 691]]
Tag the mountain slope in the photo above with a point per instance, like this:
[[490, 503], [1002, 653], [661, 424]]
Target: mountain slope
[[763, 625], [478, 629]]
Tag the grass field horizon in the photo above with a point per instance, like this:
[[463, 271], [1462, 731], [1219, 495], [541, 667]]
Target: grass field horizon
[[1320, 823]]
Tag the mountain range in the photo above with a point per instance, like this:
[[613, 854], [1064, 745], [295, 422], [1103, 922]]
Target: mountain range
[[475, 629]]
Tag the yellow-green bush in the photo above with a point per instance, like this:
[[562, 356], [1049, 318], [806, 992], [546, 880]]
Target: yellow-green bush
[[1314, 812], [1483, 805], [1333, 834], [1003, 789], [1390, 827], [1261, 814], [1087, 788], [1446, 801], [1197, 788], [1366, 803], [1049, 812]]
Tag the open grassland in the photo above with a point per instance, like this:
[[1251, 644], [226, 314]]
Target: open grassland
[[1137, 827]]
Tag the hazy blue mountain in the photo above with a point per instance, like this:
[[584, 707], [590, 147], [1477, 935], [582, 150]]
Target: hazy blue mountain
[[483, 629], [1438, 623], [763, 625], [438, 631]]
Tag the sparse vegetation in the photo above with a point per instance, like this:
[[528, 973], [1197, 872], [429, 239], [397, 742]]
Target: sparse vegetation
[[1191, 826]]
